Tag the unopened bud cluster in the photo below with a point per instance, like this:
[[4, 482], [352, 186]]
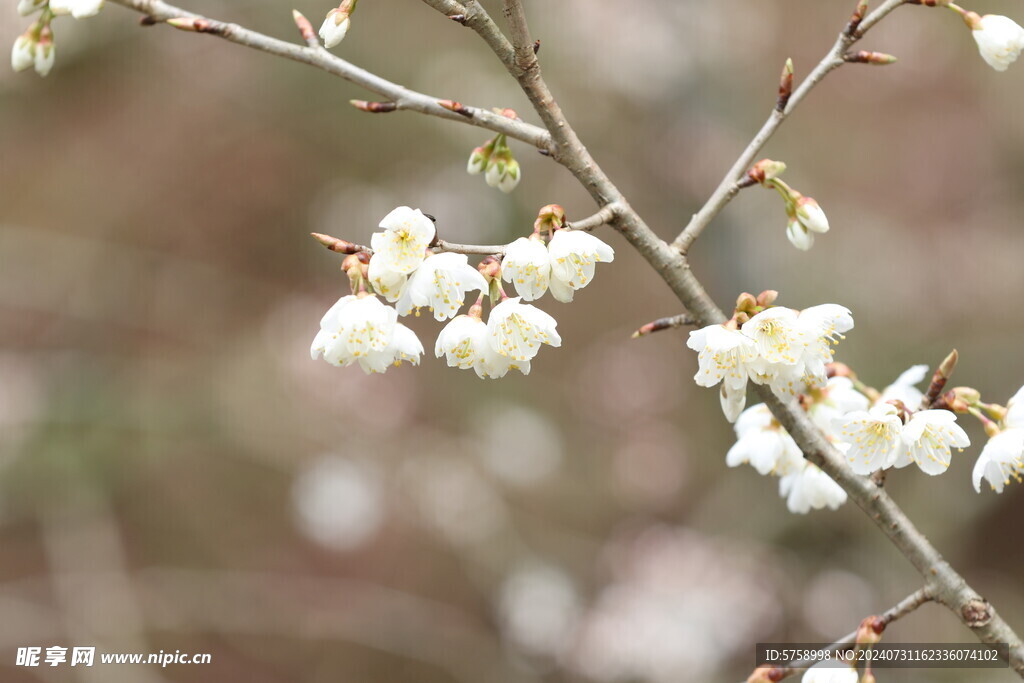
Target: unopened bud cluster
[[35, 47], [494, 160]]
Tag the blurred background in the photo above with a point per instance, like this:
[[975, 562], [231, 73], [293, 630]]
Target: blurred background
[[177, 474]]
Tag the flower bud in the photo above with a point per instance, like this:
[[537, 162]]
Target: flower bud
[[811, 215], [868, 677], [766, 170], [334, 28], [45, 52], [490, 268], [870, 630], [767, 297], [27, 7], [511, 177], [549, 218], [799, 236], [478, 160], [23, 54], [1000, 39]]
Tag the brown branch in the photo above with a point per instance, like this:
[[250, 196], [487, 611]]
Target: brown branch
[[403, 98], [949, 588], [669, 323], [602, 217], [471, 249], [894, 613]]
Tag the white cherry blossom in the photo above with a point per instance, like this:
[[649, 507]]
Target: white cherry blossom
[[777, 336], [927, 439], [822, 327], [79, 9], [1000, 460], [441, 284], [574, 258], [1000, 40], [811, 489], [515, 330], [762, 443], [362, 329], [462, 341], [723, 354], [402, 246], [527, 266], [1015, 411], [837, 398], [386, 282], [873, 436], [904, 388]]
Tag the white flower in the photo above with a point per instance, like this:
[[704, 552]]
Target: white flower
[[527, 266], [363, 330], [441, 283], [873, 437], [462, 341], [722, 354], [407, 234], [493, 365], [574, 257], [27, 7], [386, 282], [811, 489], [763, 444], [776, 335], [46, 53], [76, 8], [822, 327], [1015, 411], [515, 330], [732, 400], [334, 28], [23, 54], [928, 437], [903, 388], [1001, 459], [830, 672], [1000, 40], [799, 236], [837, 398]]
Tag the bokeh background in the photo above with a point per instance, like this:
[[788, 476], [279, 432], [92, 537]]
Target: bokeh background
[[176, 473]]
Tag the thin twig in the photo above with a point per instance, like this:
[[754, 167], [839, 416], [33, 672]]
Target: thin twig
[[669, 323], [728, 188], [403, 98], [602, 217], [894, 613], [472, 249]]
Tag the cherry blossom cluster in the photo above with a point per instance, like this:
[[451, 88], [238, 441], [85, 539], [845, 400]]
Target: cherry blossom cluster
[[35, 47], [874, 430], [402, 268], [764, 344]]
